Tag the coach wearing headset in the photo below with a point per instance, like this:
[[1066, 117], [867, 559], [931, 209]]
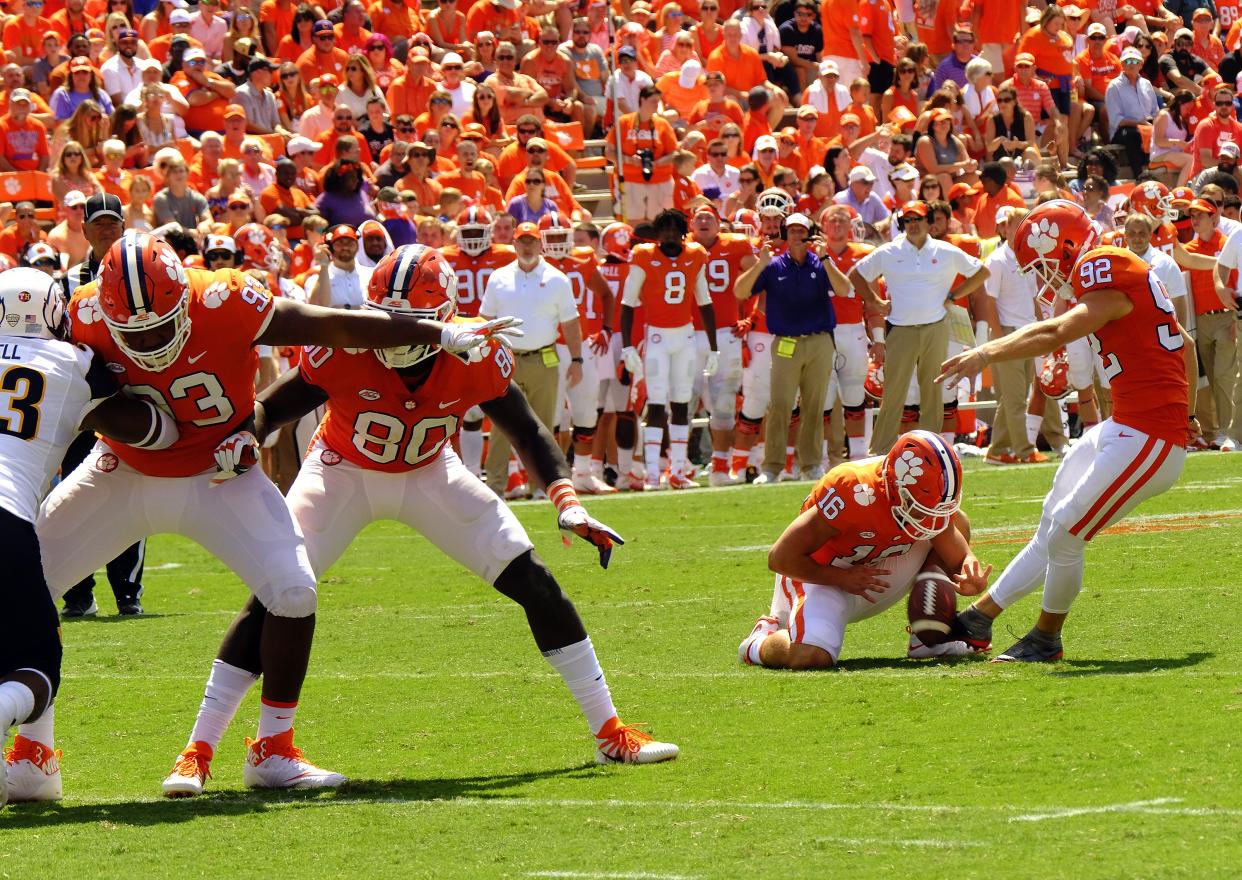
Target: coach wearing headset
[[798, 288], [918, 270]]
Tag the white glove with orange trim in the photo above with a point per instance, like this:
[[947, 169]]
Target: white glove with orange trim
[[235, 455], [573, 519], [461, 338]]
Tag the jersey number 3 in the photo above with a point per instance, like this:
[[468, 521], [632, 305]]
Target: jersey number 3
[[26, 388]]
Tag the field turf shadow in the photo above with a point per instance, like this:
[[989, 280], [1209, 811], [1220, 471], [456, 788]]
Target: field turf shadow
[[1136, 666]]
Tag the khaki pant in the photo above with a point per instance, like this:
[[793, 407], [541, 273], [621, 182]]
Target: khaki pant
[[1012, 380], [539, 383], [808, 370], [922, 347], [1218, 352]]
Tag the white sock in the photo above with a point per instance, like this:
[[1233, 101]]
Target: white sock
[[581, 466], [597, 467], [756, 455], [472, 451], [678, 438], [858, 448], [652, 438], [1033, 424], [275, 718], [41, 729], [226, 688], [581, 671], [16, 703], [625, 460]]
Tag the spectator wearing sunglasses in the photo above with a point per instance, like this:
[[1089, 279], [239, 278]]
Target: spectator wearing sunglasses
[[324, 56], [16, 237], [517, 93]]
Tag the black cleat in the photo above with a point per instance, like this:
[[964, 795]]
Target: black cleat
[[129, 607], [1034, 647], [80, 608], [972, 627]]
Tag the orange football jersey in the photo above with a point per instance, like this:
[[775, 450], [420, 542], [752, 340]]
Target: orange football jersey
[[375, 421], [848, 309], [668, 286], [578, 267], [614, 275], [724, 265], [1142, 352], [853, 500], [472, 273], [1164, 238], [209, 389]]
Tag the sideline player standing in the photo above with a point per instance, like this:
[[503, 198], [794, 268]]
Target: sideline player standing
[[1122, 307], [389, 458], [185, 340], [52, 390]]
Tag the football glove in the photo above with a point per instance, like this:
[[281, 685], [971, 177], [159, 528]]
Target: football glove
[[742, 327], [633, 361], [712, 364], [599, 342], [461, 338], [235, 455], [574, 520]]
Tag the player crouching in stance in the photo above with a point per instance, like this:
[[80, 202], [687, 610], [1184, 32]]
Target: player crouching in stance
[[1121, 306], [382, 452], [56, 390], [867, 532]]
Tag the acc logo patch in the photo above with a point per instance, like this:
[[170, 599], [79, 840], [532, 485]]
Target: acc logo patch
[[866, 534], [330, 457], [107, 462], [368, 394], [12, 320]]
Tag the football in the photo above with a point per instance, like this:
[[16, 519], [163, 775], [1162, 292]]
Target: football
[[931, 607]]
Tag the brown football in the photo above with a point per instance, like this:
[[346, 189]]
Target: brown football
[[931, 608]]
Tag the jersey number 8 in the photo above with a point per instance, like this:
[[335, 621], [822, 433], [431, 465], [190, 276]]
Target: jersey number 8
[[675, 288]]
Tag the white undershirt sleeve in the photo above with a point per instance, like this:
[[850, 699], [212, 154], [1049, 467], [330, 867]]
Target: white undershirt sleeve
[[633, 287], [702, 295]]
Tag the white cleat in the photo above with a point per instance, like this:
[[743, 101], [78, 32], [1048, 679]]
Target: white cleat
[[275, 762], [630, 482], [1227, 444], [656, 486], [916, 650], [618, 743], [747, 651], [589, 484], [190, 772], [724, 478], [681, 481], [33, 771]]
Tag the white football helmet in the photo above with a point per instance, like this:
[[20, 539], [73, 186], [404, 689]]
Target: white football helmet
[[31, 305], [774, 201]]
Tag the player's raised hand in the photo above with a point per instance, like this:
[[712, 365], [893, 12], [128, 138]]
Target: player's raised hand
[[765, 252], [966, 365], [235, 455], [460, 338], [973, 578], [860, 580], [574, 520]]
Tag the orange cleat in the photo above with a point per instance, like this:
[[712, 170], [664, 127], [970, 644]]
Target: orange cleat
[[627, 744], [190, 772]]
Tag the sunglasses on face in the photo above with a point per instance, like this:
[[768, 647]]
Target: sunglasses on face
[[195, 63], [1131, 62], [1098, 38], [69, 154], [25, 216], [324, 38], [1004, 100], [451, 67], [731, 135], [535, 150], [344, 119], [538, 180], [405, 129], [484, 96], [239, 206], [747, 179], [718, 155], [290, 75], [442, 101], [549, 42], [530, 131], [1224, 103], [506, 57]]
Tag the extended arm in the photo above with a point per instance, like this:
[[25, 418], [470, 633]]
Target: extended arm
[[285, 401]]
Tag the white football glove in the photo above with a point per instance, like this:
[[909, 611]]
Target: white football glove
[[633, 361], [575, 520], [712, 364], [461, 338], [235, 455]]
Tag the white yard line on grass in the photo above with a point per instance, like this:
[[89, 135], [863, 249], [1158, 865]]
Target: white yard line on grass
[[1069, 812], [611, 875], [900, 841]]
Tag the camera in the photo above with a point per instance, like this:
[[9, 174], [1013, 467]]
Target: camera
[[647, 158]]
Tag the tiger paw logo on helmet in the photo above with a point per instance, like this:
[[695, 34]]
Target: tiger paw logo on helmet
[[172, 265], [907, 469], [215, 295], [1043, 236], [89, 311], [864, 495]]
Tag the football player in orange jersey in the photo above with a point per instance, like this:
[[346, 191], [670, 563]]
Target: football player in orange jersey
[[866, 531], [186, 341], [385, 455], [618, 423], [668, 280], [594, 299], [728, 256], [1153, 199], [474, 258], [1122, 307], [852, 338]]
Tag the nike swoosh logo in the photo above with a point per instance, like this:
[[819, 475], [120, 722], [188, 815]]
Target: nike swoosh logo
[[195, 358], [1124, 434], [446, 404]]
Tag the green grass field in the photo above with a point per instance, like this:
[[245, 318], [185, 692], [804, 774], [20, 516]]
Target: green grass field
[[471, 760]]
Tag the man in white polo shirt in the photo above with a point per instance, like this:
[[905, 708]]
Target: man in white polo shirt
[[918, 271], [540, 294]]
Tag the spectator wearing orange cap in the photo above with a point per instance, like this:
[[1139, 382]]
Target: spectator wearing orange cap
[[1206, 44], [84, 84], [943, 153], [410, 93], [323, 56], [1215, 319], [318, 119], [1035, 97], [340, 282]]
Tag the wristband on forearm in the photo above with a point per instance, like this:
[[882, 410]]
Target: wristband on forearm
[[877, 335]]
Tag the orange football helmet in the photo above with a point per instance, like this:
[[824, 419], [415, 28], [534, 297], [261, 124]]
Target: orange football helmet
[[556, 235], [474, 230], [412, 280], [923, 478], [1180, 198], [1051, 239], [145, 300], [746, 222], [260, 248], [617, 239], [1054, 374], [1153, 199]]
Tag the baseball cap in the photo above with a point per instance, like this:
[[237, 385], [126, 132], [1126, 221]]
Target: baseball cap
[[533, 142], [861, 173], [80, 63], [323, 26], [1202, 12], [1202, 205], [388, 194], [372, 227], [1004, 212], [341, 231], [220, 243], [689, 73], [73, 198], [472, 131], [526, 229], [179, 16], [913, 209], [194, 53], [1024, 59], [1072, 10], [1228, 148], [127, 34], [829, 68], [300, 144], [806, 111], [328, 80], [19, 95], [1131, 54], [788, 134], [798, 219], [40, 251], [1096, 28], [627, 52], [104, 205], [149, 64], [961, 190], [451, 58], [941, 113], [258, 62], [1183, 34], [233, 111], [507, 4], [904, 171], [765, 142], [850, 119]]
